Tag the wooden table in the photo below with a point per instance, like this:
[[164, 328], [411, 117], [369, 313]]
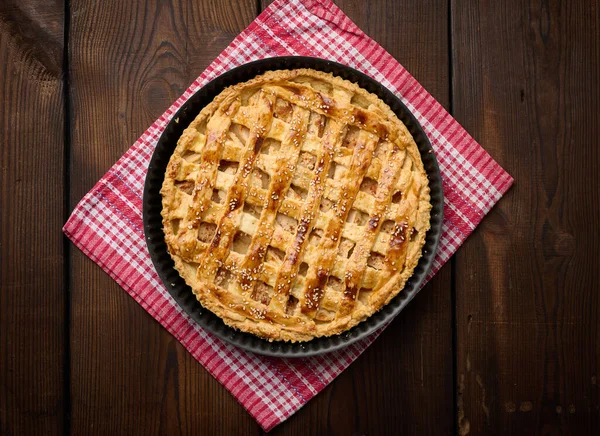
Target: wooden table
[[504, 340]]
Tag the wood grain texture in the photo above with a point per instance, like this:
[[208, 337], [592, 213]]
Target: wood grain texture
[[405, 378], [129, 62], [32, 303], [526, 86]]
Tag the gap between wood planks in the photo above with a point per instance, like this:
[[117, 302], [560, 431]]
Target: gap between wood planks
[[456, 401], [67, 247]]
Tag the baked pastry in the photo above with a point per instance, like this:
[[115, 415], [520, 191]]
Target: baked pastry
[[295, 205]]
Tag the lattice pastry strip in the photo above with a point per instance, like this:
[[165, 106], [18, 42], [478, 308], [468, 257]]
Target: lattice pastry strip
[[289, 270], [328, 246], [280, 182], [357, 265], [236, 196], [295, 205]]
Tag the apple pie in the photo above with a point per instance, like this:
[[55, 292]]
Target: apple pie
[[295, 205]]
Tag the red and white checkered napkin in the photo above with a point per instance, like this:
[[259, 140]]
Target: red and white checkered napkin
[[107, 224]]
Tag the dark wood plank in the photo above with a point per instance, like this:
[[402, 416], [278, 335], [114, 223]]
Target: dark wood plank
[[526, 86], [403, 384], [32, 303], [130, 61]]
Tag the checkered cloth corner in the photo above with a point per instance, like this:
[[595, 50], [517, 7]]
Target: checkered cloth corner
[[107, 224]]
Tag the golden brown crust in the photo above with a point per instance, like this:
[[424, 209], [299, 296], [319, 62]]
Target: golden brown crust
[[295, 205]]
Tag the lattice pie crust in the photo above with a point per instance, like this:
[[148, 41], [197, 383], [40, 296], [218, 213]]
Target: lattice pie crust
[[295, 205]]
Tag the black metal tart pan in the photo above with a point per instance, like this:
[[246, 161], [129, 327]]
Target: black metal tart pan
[[182, 293]]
